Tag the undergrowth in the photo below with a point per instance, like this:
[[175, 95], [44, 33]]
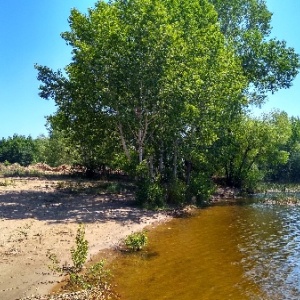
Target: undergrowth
[[94, 277]]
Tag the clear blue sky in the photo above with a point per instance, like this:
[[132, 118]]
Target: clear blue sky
[[30, 33]]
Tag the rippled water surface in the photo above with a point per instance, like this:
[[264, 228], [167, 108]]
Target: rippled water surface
[[224, 252]]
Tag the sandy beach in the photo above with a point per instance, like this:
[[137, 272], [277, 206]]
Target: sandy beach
[[36, 219]]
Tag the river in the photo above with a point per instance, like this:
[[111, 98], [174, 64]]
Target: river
[[249, 251]]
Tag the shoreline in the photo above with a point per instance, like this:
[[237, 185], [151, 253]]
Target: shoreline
[[110, 253], [36, 219]]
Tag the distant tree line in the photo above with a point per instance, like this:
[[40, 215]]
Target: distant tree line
[[52, 150]]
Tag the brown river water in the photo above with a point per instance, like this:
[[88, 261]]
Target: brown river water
[[249, 251]]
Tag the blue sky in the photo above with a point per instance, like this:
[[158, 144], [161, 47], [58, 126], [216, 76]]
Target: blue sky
[[30, 33]]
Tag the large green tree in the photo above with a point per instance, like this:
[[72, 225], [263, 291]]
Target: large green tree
[[154, 78]]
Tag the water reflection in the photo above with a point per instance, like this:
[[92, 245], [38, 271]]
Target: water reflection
[[225, 252], [271, 243]]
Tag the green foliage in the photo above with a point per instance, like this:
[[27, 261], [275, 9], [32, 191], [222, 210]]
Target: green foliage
[[136, 241], [79, 254], [55, 263], [54, 150], [155, 86], [149, 63], [268, 64], [254, 177], [17, 149], [177, 192], [201, 187], [251, 148], [114, 187], [150, 194], [96, 275], [289, 169]]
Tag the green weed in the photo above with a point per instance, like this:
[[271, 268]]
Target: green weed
[[93, 277], [136, 241]]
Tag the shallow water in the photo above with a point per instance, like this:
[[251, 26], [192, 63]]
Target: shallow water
[[223, 252]]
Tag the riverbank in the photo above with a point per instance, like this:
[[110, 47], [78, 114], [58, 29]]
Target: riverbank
[[37, 219]]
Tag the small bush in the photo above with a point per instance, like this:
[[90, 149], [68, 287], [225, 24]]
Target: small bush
[[114, 187], [177, 192], [96, 275], [151, 193], [136, 241], [6, 163], [201, 187], [79, 254]]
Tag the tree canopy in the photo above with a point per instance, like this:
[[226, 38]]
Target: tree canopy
[[268, 64], [154, 85]]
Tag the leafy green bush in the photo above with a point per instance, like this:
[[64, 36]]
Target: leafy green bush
[[136, 241], [151, 193], [201, 187], [114, 187], [254, 177], [79, 254], [17, 149], [95, 277], [6, 163], [177, 192]]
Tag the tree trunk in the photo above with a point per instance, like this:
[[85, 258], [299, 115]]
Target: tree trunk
[[175, 160], [140, 145], [123, 141], [161, 161], [188, 171], [151, 167]]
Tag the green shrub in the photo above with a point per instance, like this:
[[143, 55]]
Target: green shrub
[[114, 187], [177, 192], [79, 254], [251, 182], [201, 187], [151, 193], [136, 241], [96, 275]]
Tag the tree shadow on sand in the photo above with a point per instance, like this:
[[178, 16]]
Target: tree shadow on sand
[[59, 207]]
